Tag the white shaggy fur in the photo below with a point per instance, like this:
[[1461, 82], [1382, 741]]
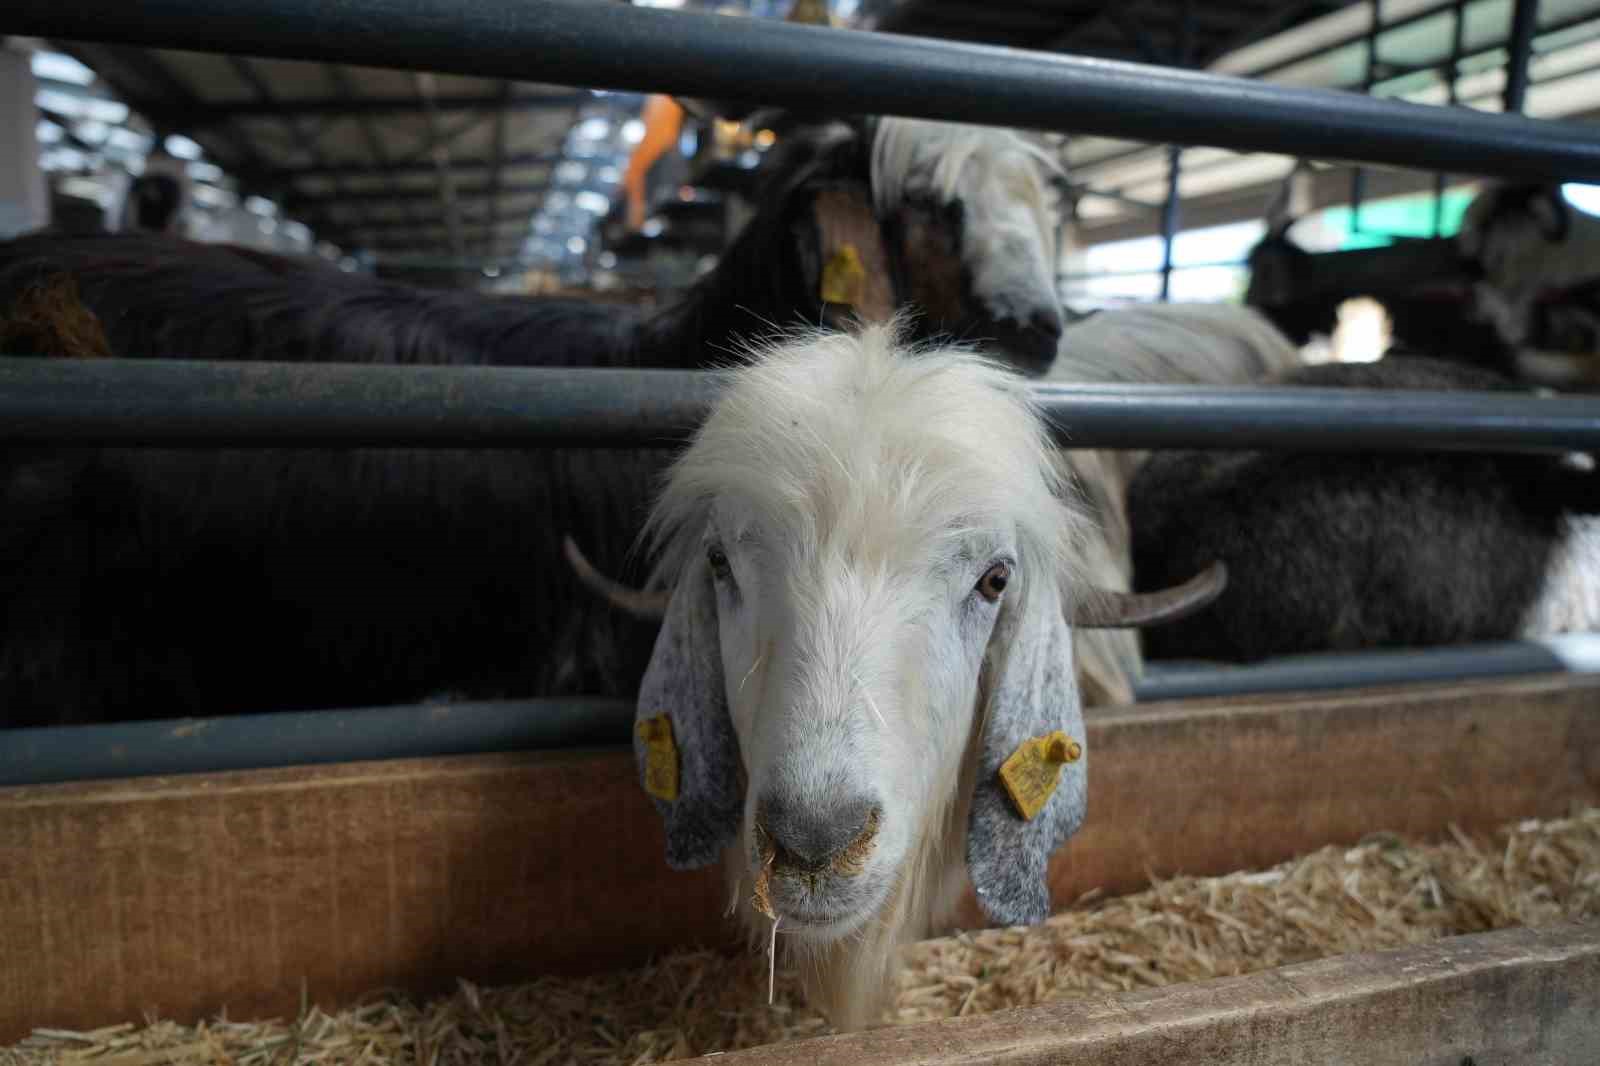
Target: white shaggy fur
[[1202, 344], [1569, 601], [1520, 262], [859, 492], [1000, 179]]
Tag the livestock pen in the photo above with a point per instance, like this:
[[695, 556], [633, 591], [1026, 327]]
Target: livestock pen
[[234, 862]]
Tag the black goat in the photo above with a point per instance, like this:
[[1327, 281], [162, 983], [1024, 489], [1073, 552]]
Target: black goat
[[158, 583], [1350, 551]]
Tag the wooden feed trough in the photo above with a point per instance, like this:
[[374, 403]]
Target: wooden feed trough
[[189, 894]]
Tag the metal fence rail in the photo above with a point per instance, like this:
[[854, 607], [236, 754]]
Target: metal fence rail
[[301, 738], [175, 403], [619, 46]]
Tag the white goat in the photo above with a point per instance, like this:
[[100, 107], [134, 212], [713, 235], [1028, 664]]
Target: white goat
[[1201, 344], [996, 183], [1537, 254], [872, 557]]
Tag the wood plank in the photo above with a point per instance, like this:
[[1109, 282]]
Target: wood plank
[[183, 894], [1516, 996], [1212, 786]]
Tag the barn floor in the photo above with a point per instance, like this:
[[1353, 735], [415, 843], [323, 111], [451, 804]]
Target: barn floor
[[1384, 893]]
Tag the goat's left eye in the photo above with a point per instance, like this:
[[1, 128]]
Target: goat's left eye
[[993, 581]]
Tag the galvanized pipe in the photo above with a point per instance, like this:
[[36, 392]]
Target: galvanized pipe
[[620, 46], [244, 742], [1310, 673], [1519, 52], [304, 738], [176, 403], [1169, 219]]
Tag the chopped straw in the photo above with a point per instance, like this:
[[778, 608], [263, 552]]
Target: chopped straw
[[1386, 892]]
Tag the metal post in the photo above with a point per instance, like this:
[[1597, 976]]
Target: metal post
[[1358, 177], [184, 404], [1452, 71], [1524, 21], [1169, 208], [625, 47], [1169, 218]]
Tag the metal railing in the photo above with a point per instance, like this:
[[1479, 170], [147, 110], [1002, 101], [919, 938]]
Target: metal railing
[[176, 403], [621, 47], [167, 403]]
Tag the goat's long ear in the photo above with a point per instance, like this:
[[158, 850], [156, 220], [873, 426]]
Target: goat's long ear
[[683, 738], [1031, 790], [1549, 211]]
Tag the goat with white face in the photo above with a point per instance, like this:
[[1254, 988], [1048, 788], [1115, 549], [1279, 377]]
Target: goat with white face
[[985, 191], [1541, 282], [867, 550]]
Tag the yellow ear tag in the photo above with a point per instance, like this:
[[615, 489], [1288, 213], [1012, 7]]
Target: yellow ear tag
[[1030, 775], [843, 277], [660, 757]]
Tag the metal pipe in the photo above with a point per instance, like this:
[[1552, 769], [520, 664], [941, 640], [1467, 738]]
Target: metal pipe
[[1169, 219], [1519, 50], [302, 738], [1308, 673], [245, 742], [175, 403], [624, 47], [1358, 177], [1458, 26]]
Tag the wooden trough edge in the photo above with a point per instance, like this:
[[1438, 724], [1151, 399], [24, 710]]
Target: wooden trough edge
[[1515, 996], [185, 895]]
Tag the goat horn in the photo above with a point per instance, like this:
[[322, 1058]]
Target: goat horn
[[1105, 609], [637, 602]]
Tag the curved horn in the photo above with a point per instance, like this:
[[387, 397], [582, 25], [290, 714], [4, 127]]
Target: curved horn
[[637, 602], [1105, 609]]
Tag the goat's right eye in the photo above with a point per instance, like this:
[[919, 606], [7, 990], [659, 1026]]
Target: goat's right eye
[[718, 561]]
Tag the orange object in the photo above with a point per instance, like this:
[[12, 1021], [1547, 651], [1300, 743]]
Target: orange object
[[663, 119]]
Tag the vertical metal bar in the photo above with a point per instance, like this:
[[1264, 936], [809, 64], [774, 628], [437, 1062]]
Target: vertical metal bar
[[1452, 71], [1358, 177], [1524, 20], [1169, 218]]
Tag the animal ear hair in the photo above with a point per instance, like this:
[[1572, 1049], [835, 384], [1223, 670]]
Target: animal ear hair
[[684, 741], [1549, 211], [1031, 790]]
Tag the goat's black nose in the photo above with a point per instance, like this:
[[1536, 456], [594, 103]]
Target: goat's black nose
[[813, 835], [1029, 345], [1047, 324]]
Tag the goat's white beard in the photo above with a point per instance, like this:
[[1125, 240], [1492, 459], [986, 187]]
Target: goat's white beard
[[852, 980]]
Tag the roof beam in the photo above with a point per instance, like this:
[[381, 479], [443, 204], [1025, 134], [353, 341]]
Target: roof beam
[[497, 159], [354, 106], [168, 112], [431, 222], [369, 132], [427, 87], [384, 196], [305, 140], [413, 167]]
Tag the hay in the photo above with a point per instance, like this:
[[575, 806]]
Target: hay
[[1384, 893]]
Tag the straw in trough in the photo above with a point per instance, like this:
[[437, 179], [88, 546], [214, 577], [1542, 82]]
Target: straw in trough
[[1386, 892]]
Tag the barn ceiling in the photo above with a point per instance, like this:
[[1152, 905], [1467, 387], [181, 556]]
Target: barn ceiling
[[402, 164]]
